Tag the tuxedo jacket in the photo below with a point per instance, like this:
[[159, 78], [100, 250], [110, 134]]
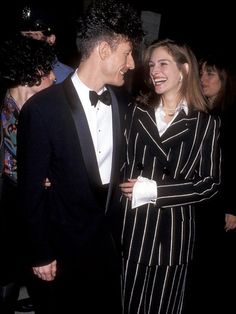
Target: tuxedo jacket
[[70, 219], [185, 163]]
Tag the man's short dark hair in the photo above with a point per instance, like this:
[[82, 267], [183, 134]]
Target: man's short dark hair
[[108, 20]]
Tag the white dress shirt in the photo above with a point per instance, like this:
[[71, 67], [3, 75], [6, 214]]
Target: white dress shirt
[[100, 124]]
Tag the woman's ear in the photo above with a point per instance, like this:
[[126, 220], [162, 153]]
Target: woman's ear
[[186, 66]]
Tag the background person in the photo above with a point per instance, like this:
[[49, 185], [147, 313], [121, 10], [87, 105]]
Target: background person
[[25, 69], [36, 22], [216, 218]]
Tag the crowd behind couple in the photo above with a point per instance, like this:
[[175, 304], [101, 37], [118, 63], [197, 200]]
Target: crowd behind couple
[[114, 207]]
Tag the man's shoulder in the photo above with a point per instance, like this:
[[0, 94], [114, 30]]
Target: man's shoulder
[[64, 66], [49, 92], [44, 99], [121, 94], [61, 71]]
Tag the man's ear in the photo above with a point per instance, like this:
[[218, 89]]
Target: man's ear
[[104, 49]]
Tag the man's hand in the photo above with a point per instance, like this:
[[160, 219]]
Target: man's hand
[[47, 272]]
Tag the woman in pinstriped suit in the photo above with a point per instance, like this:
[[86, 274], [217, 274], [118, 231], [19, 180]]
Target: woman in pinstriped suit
[[173, 162]]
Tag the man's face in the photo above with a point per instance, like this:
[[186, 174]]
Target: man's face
[[118, 62]]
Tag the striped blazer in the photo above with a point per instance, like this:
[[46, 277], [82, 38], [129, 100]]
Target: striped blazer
[[185, 162]]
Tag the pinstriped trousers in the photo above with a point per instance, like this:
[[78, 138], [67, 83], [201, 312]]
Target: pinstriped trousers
[[153, 289]]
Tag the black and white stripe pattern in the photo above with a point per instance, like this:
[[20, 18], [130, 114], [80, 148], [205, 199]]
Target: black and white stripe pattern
[[185, 162]]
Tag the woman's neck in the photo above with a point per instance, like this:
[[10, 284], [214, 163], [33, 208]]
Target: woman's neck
[[20, 94]]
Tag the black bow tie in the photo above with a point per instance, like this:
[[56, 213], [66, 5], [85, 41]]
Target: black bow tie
[[105, 97]]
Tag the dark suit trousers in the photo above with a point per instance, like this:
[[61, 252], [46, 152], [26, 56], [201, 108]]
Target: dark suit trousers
[[87, 289]]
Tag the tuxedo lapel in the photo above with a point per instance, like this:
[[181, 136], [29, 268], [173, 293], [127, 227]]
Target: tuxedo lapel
[[85, 139], [116, 145], [116, 135]]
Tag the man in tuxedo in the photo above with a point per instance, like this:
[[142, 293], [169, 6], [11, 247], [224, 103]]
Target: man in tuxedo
[[71, 137]]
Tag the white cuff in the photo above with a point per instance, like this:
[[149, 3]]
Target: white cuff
[[144, 192]]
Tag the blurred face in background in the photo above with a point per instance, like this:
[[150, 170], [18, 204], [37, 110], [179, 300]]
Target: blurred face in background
[[210, 81]]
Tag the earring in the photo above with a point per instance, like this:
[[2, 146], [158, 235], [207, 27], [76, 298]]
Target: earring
[[180, 77]]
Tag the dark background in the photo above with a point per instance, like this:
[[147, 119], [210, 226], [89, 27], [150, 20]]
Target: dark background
[[205, 26]]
